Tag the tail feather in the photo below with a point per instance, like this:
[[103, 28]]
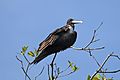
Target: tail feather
[[39, 58]]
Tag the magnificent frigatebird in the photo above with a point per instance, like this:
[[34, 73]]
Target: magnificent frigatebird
[[59, 40]]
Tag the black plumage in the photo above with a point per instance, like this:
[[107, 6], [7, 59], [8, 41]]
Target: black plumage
[[61, 39]]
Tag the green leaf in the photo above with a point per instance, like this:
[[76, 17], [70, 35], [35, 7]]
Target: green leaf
[[24, 49], [104, 78], [31, 54], [70, 64], [95, 78], [109, 79], [35, 52], [98, 76], [74, 68], [88, 78]]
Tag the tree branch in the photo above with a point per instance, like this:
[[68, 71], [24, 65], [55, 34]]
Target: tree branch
[[114, 71], [22, 67], [26, 59], [104, 62], [39, 73], [86, 48], [49, 73], [93, 37]]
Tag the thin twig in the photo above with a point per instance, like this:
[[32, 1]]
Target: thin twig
[[99, 69], [27, 70], [49, 73], [58, 73], [87, 49], [28, 65], [26, 59], [92, 40], [39, 73], [23, 68], [95, 60], [115, 71], [99, 26], [93, 37], [65, 69], [67, 74], [116, 56]]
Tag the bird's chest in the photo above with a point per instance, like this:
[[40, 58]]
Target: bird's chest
[[67, 36], [67, 39]]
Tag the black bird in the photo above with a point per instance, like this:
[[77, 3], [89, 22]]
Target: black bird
[[59, 40]]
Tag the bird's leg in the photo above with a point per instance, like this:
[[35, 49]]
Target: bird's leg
[[52, 66]]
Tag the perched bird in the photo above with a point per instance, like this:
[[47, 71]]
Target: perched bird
[[59, 40]]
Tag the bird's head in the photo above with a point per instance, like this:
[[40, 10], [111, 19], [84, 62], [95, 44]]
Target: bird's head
[[71, 22]]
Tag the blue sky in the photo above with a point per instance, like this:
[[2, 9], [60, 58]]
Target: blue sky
[[28, 22]]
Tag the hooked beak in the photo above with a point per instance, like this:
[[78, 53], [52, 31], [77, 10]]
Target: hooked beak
[[77, 22]]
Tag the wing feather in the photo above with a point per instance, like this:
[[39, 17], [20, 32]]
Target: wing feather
[[47, 42], [51, 38]]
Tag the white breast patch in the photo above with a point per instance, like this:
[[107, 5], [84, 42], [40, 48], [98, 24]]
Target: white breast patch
[[71, 29]]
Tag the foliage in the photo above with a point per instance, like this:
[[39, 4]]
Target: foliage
[[24, 49], [73, 67], [55, 72], [30, 53], [99, 77]]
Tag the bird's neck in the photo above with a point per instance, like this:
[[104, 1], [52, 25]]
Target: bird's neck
[[71, 28]]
